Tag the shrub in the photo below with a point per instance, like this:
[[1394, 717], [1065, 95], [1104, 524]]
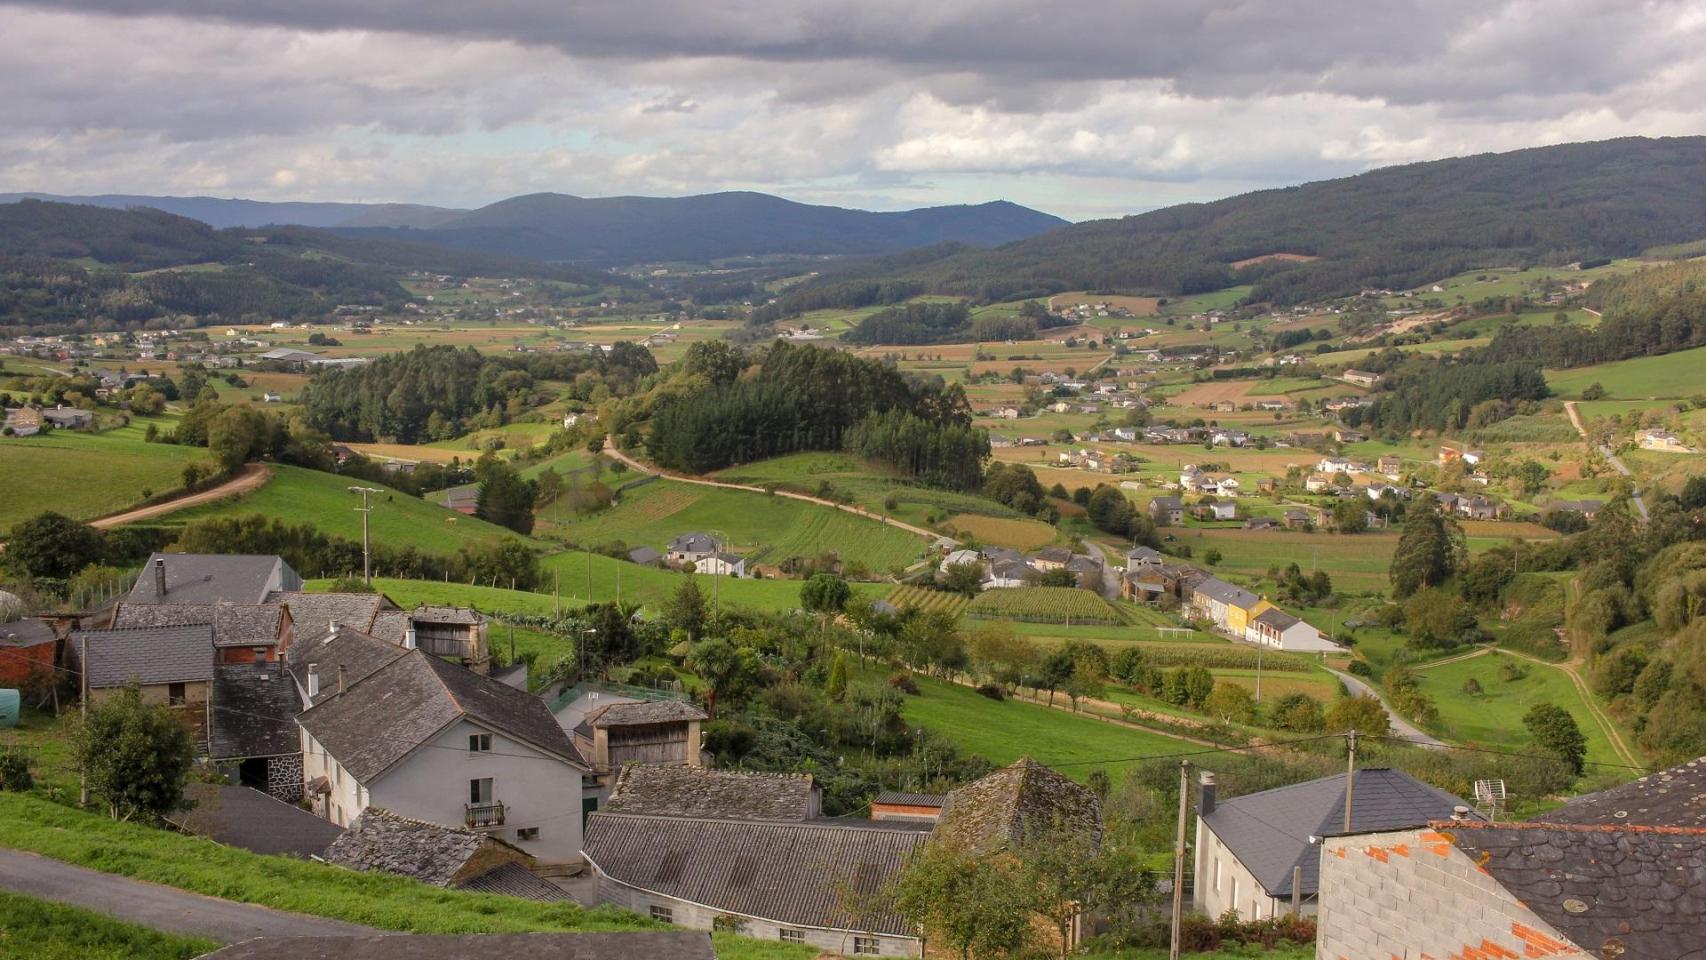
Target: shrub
[[991, 690], [1360, 668], [1472, 687], [15, 771], [903, 682]]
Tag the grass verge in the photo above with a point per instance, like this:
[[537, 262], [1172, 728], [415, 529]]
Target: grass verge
[[42, 930]]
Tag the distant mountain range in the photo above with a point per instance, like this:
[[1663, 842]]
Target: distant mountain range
[[613, 231], [1393, 227]]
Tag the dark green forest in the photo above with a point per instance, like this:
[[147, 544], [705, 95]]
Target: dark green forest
[[1654, 311]]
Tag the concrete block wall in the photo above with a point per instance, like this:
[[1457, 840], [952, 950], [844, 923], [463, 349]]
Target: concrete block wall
[[1412, 894]]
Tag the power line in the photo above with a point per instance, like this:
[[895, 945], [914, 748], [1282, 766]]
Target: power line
[[1198, 753], [1521, 756]]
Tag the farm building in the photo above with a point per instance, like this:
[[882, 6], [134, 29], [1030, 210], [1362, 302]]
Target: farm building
[[27, 648], [1662, 441]]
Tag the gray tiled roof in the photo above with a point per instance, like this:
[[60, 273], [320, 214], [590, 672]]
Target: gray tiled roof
[[313, 613], [638, 945], [686, 791], [789, 873], [1269, 831], [359, 654], [644, 712], [644, 555], [1620, 892], [410, 700], [149, 654], [249, 819], [1669, 798], [234, 624], [253, 712], [461, 616], [385, 842], [693, 543], [998, 810], [1222, 592], [25, 633], [212, 577], [1277, 618]]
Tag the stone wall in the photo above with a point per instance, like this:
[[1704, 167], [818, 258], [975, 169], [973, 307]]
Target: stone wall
[[1413, 893], [284, 777]]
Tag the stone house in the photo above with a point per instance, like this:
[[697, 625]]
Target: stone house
[[440, 856], [1167, 510], [172, 664]]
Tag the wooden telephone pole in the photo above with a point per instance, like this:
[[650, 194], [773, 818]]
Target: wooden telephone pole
[[1179, 857]]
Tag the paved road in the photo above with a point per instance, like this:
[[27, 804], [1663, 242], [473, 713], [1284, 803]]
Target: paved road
[[1605, 451], [253, 476], [162, 908], [1400, 727], [1110, 578]]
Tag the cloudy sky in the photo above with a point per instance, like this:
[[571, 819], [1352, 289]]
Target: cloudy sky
[[1084, 108]]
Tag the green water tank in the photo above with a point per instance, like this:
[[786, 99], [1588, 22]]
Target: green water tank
[[9, 704]]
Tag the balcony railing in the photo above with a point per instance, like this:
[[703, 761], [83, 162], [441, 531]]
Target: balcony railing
[[483, 815]]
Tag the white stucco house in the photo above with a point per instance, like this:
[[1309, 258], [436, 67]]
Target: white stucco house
[[1279, 630], [436, 742]]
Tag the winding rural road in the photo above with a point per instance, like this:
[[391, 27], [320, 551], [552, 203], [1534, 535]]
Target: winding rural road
[[252, 477], [1605, 451], [162, 908], [1404, 729], [639, 467]]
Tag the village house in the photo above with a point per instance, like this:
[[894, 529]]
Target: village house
[[434, 741], [1165, 510], [645, 556], [1348, 436], [1213, 509], [1226, 606], [211, 578], [1361, 378], [1662, 441], [615, 731], [1257, 853], [1390, 466], [1275, 628], [1614, 874], [721, 564], [1051, 558], [67, 418], [1317, 482], [173, 666], [1297, 519], [1587, 508], [690, 548]]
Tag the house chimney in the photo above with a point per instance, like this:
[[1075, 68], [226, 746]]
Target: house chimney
[[1460, 812], [1205, 794], [313, 680], [159, 576], [409, 638], [341, 674]]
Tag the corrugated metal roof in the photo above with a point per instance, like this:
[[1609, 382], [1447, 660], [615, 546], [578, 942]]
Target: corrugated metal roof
[[911, 799]]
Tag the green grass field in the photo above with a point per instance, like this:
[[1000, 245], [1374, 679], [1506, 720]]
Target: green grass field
[[1493, 718], [42, 930], [87, 475], [1002, 732], [298, 495], [1670, 376], [868, 486], [373, 899], [761, 528]]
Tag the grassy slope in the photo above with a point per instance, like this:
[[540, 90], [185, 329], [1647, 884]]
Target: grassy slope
[[298, 495], [1671, 375], [769, 528], [89, 474], [41, 930], [1493, 718], [387, 902]]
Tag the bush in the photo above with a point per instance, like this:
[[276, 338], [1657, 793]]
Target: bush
[[1360, 668], [15, 771], [992, 690], [903, 682]]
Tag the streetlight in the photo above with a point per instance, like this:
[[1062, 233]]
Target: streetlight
[[366, 544]]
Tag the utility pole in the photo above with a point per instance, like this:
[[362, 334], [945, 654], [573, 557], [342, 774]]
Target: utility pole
[[1179, 857], [1296, 891], [366, 544], [556, 593], [1350, 777], [83, 713], [1259, 646]]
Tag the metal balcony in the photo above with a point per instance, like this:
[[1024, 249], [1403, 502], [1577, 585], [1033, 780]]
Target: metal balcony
[[483, 815]]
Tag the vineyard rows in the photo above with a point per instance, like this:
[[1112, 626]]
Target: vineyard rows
[[929, 601], [1045, 605]]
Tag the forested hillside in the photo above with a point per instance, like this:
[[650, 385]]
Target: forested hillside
[[1395, 227], [1650, 312], [74, 267]]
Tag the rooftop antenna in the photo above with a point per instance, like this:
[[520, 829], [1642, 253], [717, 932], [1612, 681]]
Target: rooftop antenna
[[1491, 795]]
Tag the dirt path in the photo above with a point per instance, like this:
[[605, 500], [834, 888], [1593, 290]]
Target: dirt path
[[252, 477], [1599, 715], [1404, 729], [639, 467], [152, 905], [1605, 451]]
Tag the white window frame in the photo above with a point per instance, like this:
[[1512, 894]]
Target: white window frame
[[479, 743], [662, 914], [474, 791], [790, 935], [866, 946]]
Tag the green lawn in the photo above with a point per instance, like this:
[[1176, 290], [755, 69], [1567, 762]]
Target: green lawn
[[1493, 718], [761, 528], [373, 899], [1672, 375], [299, 495], [1002, 732], [42, 930], [86, 475]]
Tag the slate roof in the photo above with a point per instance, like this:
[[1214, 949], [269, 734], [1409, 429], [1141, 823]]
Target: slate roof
[[359, 654], [638, 945], [644, 555], [152, 655], [911, 799], [1269, 831], [212, 577], [515, 880], [385, 842], [254, 708], [247, 818], [686, 791], [25, 633], [413, 698], [1054, 554], [1619, 892], [234, 624], [1278, 619], [693, 543], [313, 613], [998, 810], [1222, 592], [789, 873], [644, 712], [459, 616], [1669, 798], [1144, 555]]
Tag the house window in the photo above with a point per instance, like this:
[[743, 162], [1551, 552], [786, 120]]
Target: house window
[[865, 946], [1216, 874], [1234, 898], [480, 790], [527, 833], [479, 743], [662, 914], [175, 694], [791, 936]]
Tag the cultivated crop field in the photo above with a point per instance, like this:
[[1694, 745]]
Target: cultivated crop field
[[1019, 534], [761, 528], [86, 475], [1045, 605], [929, 601]]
